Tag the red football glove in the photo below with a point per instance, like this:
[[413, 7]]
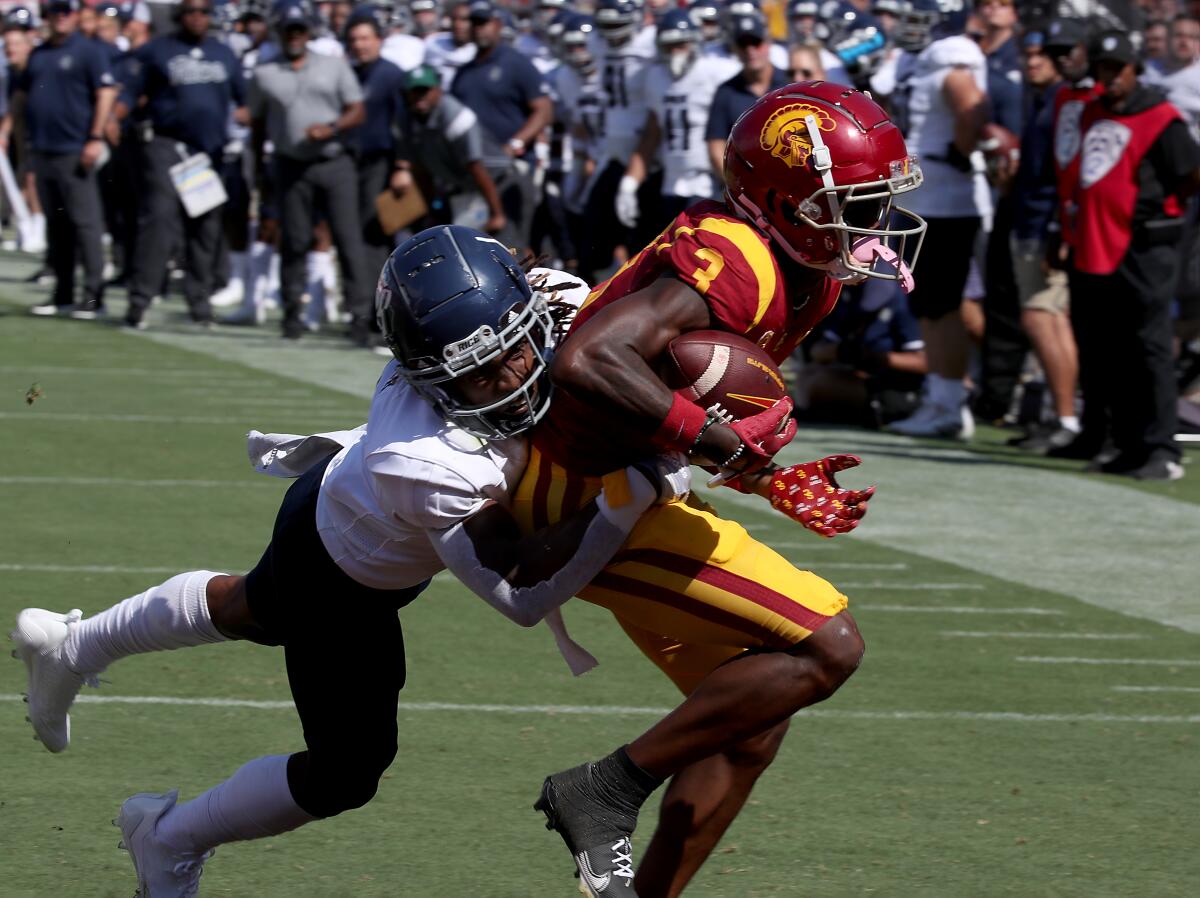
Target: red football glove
[[809, 494], [763, 435]]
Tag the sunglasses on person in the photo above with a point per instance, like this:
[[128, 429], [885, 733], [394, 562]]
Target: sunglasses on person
[[745, 43], [195, 10]]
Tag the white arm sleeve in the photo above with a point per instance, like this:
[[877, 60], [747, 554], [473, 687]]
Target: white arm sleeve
[[526, 605]]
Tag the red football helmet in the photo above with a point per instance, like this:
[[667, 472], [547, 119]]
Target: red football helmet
[[816, 166]]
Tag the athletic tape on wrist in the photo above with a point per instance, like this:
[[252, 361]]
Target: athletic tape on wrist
[[681, 427]]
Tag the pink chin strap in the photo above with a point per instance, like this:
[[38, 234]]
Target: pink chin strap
[[867, 250]]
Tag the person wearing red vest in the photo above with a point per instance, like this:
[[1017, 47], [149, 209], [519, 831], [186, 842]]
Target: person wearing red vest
[[1066, 45], [1136, 160]]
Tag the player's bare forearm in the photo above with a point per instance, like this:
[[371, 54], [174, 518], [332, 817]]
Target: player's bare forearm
[[608, 360]]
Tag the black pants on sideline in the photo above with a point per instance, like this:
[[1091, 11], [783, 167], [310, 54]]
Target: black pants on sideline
[[70, 198], [159, 216], [334, 184], [374, 172], [345, 689], [1004, 341], [1122, 323]]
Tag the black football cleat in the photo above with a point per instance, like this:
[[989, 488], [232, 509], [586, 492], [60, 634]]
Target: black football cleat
[[596, 826]]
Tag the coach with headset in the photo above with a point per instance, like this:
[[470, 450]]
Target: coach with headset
[[190, 82]]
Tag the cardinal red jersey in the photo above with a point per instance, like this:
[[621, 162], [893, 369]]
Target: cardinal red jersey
[[748, 291]]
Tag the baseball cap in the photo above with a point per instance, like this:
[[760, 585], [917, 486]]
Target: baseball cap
[[1112, 46], [62, 6], [747, 25], [1064, 33], [111, 11], [19, 18], [422, 76], [291, 15], [482, 10]]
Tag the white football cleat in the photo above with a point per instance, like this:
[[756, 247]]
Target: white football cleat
[[162, 871], [39, 637]]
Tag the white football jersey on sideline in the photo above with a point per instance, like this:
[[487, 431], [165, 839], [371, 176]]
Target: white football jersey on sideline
[[681, 108], [623, 85], [410, 472], [928, 125], [446, 56], [404, 51]]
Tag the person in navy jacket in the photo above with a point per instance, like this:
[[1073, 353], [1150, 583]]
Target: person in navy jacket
[[191, 82], [67, 93]]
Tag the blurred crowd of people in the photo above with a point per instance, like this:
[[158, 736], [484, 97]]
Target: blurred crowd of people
[[268, 156]]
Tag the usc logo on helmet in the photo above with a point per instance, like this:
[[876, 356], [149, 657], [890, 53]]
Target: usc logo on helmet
[[785, 135]]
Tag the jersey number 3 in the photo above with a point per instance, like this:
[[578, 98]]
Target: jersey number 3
[[714, 262]]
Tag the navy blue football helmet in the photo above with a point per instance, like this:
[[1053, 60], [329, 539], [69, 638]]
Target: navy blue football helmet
[[449, 301], [921, 22], [618, 20], [856, 38]]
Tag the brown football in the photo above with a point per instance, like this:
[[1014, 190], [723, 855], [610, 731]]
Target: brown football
[[723, 373]]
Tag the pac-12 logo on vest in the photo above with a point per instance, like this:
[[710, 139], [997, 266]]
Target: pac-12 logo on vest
[[1066, 132], [1103, 146]]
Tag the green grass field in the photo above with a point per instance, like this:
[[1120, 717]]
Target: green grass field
[[1026, 722]]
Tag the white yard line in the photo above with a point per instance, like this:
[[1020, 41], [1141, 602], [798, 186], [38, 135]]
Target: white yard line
[[909, 587], [1153, 662], [95, 569], [863, 565], [155, 419], [131, 483], [1017, 634], [961, 609], [618, 710], [1188, 689]]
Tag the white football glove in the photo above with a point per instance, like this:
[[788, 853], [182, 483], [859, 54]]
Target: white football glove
[[627, 202]]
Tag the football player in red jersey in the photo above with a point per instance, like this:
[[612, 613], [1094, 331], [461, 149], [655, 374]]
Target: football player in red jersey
[[811, 173]]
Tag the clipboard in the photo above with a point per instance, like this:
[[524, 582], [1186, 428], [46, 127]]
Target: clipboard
[[396, 212], [199, 188]]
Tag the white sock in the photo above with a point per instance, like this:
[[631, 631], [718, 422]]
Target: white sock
[[1069, 422], [239, 268], [253, 803], [173, 615], [257, 271], [314, 278]]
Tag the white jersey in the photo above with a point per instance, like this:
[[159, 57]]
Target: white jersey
[[928, 125], [404, 51], [535, 50], [681, 108], [1183, 90], [446, 56], [623, 86], [410, 472]]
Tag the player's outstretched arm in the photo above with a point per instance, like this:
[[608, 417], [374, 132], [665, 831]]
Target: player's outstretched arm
[[524, 578]]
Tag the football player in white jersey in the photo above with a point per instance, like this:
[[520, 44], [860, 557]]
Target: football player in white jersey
[[622, 77], [940, 102], [580, 104], [447, 51], [375, 513], [679, 92]]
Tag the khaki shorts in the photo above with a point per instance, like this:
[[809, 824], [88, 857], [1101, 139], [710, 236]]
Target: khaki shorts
[[1044, 291]]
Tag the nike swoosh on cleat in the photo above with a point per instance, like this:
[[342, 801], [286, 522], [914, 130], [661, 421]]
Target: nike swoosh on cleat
[[596, 883]]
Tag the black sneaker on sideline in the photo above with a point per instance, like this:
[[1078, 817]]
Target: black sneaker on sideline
[[596, 831], [1159, 466], [1083, 448], [1041, 442], [1120, 463], [88, 310]]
